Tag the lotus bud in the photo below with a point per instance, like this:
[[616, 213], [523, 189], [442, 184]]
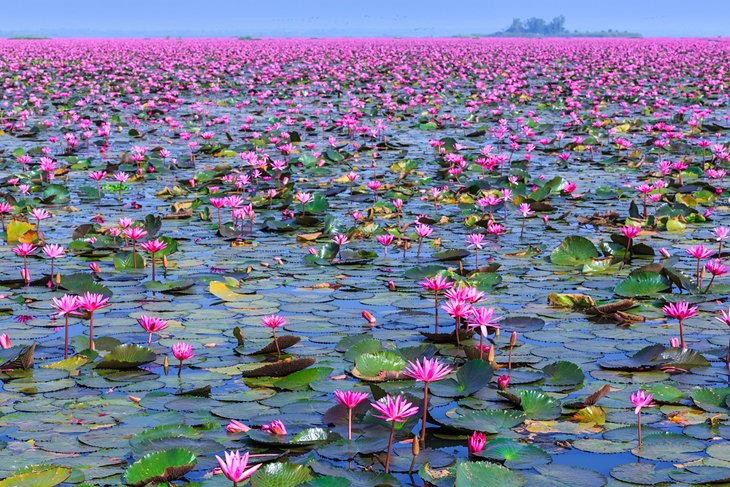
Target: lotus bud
[[58, 278], [369, 317], [165, 365], [415, 446], [490, 356], [513, 339]]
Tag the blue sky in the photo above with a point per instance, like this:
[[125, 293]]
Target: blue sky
[[334, 18]]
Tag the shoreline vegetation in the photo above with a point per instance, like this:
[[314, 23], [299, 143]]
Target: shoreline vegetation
[[535, 27]]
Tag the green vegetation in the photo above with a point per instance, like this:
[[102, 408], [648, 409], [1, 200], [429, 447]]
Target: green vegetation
[[536, 27]]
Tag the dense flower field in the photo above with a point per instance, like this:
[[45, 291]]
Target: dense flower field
[[364, 262]]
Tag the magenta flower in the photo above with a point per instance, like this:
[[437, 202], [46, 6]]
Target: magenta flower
[[66, 306], [503, 382], [385, 240], [276, 427], [475, 240], [273, 322], [350, 400], [457, 309], [182, 351], [715, 268], [236, 427], [482, 318], [476, 442], [151, 324], [641, 399], [423, 231], [234, 467], [92, 302], [436, 284], [5, 341], [680, 311], [393, 411], [153, 246], [426, 371], [699, 252]]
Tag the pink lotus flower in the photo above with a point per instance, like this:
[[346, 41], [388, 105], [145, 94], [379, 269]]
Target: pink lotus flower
[[503, 382], [153, 246], [426, 371], [5, 341], [25, 249], [482, 318], [276, 427], [641, 399], [385, 240], [151, 324], [350, 400], [699, 252], [274, 322], [182, 351], [393, 411], [235, 466], [476, 443], [236, 427], [92, 302], [630, 231], [66, 306], [680, 311], [715, 268]]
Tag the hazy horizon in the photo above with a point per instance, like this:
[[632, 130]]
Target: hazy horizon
[[330, 18]]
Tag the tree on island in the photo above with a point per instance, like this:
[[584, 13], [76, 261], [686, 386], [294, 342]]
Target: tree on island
[[537, 27]]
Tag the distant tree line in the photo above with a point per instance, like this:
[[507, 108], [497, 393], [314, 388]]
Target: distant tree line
[[536, 26]]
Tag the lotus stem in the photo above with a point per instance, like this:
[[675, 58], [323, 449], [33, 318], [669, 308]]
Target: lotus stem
[[390, 445], [425, 412]]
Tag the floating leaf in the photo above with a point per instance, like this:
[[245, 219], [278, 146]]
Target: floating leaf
[[371, 364], [471, 377], [280, 475], [37, 476], [574, 251], [563, 373], [486, 421], [160, 466], [515, 455], [127, 357], [485, 474], [642, 284]]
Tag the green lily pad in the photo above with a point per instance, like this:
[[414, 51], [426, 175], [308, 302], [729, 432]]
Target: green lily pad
[[669, 447], [640, 473], [281, 475], [471, 377], [128, 260], [515, 455], [128, 356], [642, 284], [371, 364], [37, 476], [556, 475], [485, 474], [160, 466], [563, 373], [574, 251], [307, 437], [484, 420], [711, 399], [701, 475], [302, 378], [535, 404]]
